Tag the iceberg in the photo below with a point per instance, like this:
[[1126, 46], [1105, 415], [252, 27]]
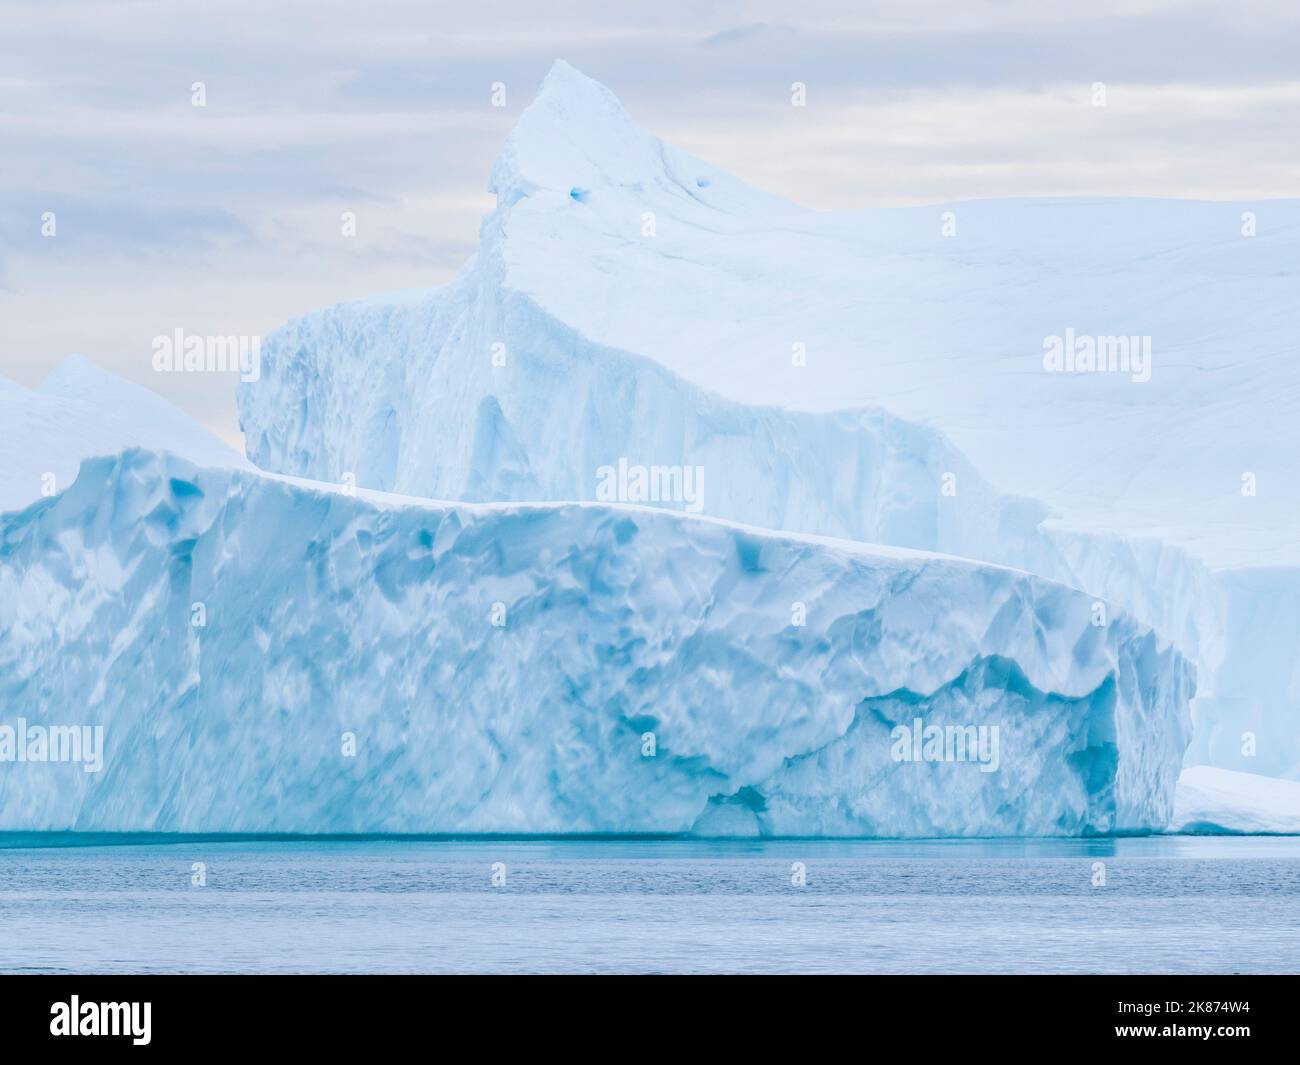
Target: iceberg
[[266, 654], [684, 510], [1224, 802], [881, 375]]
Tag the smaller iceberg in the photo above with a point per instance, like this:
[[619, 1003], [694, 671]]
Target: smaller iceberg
[[1212, 801]]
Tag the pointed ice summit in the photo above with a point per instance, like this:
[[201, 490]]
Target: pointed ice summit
[[574, 137], [576, 142]]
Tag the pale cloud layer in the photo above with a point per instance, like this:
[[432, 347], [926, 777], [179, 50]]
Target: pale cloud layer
[[225, 219]]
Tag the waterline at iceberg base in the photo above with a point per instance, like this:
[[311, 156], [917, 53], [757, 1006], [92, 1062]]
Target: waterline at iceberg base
[[501, 667]]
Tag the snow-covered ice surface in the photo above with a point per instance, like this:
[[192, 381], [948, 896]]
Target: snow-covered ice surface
[[328, 613], [1218, 801], [574, 338], [80, 411]]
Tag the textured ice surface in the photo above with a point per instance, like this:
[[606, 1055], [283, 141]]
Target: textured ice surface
[[923, 359], [81, 411], [328, 613], [1222, 800]]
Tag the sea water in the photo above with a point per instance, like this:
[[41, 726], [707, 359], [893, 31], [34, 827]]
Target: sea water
[[159, 904]]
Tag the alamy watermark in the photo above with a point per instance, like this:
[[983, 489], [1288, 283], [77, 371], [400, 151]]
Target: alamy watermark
[[630, 483], [947, 743], [53, 743], [1083, 353], [179, 352], [102, 1018]]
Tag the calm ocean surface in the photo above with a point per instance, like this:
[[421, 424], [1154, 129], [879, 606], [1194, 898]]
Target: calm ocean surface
[[1169, 904]]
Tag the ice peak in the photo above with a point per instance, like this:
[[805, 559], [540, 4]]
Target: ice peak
[[75, 373], [566, 82], [575, 135]]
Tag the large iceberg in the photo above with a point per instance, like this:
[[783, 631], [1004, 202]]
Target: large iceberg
[[266, 654], [931, 590], [877, 375]]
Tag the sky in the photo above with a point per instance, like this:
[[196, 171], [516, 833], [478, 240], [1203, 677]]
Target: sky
[[224, 219]]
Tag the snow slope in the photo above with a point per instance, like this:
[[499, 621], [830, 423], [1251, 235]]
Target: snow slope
[[923, 417], [1217, 801], [328, 613], [81, 411]]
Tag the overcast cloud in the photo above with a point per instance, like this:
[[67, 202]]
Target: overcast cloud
[[225, 219]]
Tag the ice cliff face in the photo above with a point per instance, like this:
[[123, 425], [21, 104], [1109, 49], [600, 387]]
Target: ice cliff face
[[858, 375], [503, 668], [1252, 719]]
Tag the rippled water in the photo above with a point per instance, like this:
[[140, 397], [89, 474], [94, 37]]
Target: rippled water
[[1169, 904]]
